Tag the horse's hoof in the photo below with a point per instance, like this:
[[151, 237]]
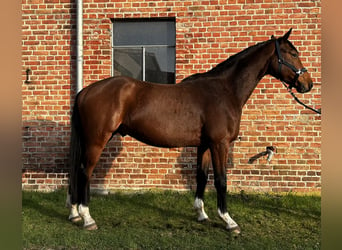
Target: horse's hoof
[[203, 218], [75, 219], [91, 227], [235, 230]]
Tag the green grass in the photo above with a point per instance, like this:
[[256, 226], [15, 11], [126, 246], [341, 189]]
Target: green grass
[[166, 220]]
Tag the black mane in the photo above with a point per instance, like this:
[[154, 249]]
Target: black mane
[[219, 68]]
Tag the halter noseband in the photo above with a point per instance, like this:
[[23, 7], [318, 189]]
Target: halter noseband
[[298, 72], [281, 61]]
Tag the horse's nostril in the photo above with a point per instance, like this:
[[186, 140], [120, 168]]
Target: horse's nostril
[[310, 85]]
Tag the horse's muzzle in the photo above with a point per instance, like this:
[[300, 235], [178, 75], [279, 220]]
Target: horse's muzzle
[[303, 88]]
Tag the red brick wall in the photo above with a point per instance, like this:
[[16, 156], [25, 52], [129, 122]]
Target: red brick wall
[[207, 32]]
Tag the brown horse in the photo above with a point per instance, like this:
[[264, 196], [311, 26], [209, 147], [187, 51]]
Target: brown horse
[[203, 111]]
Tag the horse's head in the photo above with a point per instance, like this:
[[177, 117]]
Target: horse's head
[[287, 67]]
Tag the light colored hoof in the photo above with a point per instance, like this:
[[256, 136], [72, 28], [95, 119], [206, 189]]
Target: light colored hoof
[[91, 227], [75, 219], [235, 230], [199, 207], [203, 218]]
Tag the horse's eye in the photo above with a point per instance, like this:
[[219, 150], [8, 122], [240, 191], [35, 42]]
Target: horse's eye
[[294, 55]]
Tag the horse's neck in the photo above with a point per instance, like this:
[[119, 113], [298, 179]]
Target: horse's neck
[[247, 73]]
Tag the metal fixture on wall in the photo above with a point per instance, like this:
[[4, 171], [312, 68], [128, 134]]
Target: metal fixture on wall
[[79, 56], [28, 70]]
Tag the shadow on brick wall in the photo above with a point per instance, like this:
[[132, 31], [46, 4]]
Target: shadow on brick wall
[[46, 161], [187, 161], [46, 157], [45, 154], [106, 169]]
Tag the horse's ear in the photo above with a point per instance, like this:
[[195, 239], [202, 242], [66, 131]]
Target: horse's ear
[[286, 36], [272, 37]]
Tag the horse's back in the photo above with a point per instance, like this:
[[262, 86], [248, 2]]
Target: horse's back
[[105, 87]]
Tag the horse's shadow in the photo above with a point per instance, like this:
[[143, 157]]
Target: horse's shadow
[[156, 207], [43, 206]]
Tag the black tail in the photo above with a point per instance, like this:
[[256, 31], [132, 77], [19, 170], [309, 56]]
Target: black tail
[[76, 152]]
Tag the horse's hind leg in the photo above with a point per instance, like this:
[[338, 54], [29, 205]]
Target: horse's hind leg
[[74, 215], [203, 163], [92, 154]]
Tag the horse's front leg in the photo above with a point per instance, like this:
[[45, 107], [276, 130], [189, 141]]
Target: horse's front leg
[[203, 163], [219, 152]]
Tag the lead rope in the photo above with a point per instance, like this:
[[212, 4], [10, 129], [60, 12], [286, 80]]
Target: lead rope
[[318, 111]]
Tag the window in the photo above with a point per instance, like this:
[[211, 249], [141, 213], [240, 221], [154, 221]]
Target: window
[[145, 49]]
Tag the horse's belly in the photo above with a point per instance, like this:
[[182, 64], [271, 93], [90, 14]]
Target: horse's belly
[[166, 134], [166, 117]]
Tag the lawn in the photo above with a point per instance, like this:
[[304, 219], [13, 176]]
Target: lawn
[[166, 220]]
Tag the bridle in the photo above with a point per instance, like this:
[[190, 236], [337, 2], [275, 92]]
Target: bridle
[[282, 62], [298, 72]]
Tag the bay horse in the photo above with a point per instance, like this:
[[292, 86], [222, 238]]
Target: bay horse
[[204, 111]]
